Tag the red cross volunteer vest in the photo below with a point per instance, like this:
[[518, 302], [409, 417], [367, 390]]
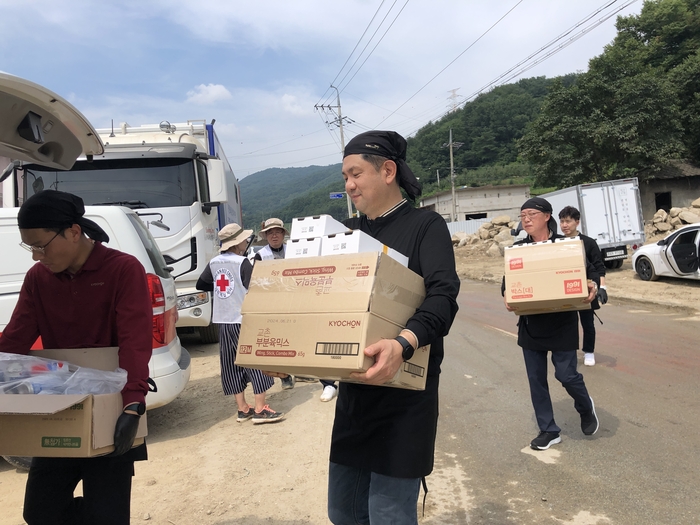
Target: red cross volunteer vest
[[228, 291]]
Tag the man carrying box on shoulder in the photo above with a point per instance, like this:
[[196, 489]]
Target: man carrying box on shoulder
[[383, 438], [556, 332], [82, 295]]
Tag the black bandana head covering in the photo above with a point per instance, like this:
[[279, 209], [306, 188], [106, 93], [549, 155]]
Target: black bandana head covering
[[543, 205], [390, 145], [57, 209], [537, 203]]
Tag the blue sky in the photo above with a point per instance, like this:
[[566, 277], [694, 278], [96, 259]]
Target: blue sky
[[259, 67]]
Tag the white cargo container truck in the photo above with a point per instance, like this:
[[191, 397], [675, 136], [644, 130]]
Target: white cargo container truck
[[611, 213]]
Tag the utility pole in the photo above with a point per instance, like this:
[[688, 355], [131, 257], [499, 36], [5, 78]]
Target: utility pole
[[453, 146], [338, 122], [453, 97]]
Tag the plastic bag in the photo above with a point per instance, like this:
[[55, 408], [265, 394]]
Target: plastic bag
[[21, 374]]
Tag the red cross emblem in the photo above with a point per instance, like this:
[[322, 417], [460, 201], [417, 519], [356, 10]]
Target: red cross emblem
[[222, 283]]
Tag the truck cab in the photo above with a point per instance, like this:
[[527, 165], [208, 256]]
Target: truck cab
[[179, 182]]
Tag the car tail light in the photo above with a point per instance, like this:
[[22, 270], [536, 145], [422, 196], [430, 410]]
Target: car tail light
[[158, 304], [634, 247]]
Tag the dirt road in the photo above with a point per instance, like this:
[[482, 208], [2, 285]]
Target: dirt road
[[205, 468]]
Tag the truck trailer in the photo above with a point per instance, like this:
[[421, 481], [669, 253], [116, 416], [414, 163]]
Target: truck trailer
[[611, 213], [175, 177]]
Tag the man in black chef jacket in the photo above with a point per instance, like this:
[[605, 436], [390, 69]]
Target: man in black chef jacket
[[383, 438]]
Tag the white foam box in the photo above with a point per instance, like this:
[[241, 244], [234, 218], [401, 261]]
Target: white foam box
[[315, 226], [297, 248], [356, 241]]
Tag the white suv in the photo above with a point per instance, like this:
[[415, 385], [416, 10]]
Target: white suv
[[40, 127]]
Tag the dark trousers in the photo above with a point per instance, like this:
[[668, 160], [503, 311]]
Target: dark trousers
[[565, 372], [361, 497], [326, 383], [106, 500], [588, 325]]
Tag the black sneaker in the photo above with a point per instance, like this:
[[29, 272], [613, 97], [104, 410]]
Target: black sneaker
[[267, 415], [589, 421], [545, 440], [245, 416], [288, 382]]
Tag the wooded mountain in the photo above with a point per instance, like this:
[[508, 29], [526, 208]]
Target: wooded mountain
[[292, 192], [636, 109], [488, 126]]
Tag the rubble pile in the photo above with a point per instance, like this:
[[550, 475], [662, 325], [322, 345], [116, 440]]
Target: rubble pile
[[491, 238], [665, 222]]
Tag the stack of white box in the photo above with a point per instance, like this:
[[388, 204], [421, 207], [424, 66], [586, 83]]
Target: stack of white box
[[306, 236], [322, 235]]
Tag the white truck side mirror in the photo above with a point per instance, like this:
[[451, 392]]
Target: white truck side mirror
[[218, 190]]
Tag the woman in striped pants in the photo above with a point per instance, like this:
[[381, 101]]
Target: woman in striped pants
[[228, 277]]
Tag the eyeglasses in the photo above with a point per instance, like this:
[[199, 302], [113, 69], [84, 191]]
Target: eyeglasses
[[530, 215], [38, 249]]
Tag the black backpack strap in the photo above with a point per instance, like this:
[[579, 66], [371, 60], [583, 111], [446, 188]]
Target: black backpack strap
[[152, 387]]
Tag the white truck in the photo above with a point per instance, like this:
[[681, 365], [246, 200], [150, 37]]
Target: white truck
[[611, 213], [175, 177]]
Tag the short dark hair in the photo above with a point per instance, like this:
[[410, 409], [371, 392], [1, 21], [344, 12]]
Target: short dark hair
[[375, 160], [569, 212]]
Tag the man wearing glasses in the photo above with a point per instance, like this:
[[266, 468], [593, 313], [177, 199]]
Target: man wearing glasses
[[274, 232], [552, 332], [82, 294]]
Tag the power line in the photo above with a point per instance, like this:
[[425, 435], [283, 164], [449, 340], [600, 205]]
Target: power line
[[529, 63], [248, 155], [353, 49], [375, 46], [453, 61], [280, 143]]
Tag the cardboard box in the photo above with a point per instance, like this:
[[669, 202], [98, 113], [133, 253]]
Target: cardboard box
[[303, 248], [314, 317], [78, 425], [546, 277], [315, 226], [356, 241], [322, 346]]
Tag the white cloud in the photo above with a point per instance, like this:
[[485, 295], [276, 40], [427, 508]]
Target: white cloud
[[206, 94], [291, 104]]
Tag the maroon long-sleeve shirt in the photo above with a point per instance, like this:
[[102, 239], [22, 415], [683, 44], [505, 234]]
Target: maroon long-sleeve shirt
[[107, 303]]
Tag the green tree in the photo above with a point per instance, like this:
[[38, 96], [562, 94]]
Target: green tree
[[632, 111]]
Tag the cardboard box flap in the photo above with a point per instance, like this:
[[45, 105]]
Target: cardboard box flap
[[543, 256], [106, 358], [37, 404]]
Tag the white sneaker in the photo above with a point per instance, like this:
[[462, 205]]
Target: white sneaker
[[588, 359], [329, 392]]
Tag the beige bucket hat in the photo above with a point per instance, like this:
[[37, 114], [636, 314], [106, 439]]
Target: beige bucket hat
[[273, 223], [232, 235]]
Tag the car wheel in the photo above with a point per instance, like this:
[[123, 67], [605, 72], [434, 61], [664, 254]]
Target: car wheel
[[619, 263], [209, 334], [19, 462], [645, 269], [609, 264]]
